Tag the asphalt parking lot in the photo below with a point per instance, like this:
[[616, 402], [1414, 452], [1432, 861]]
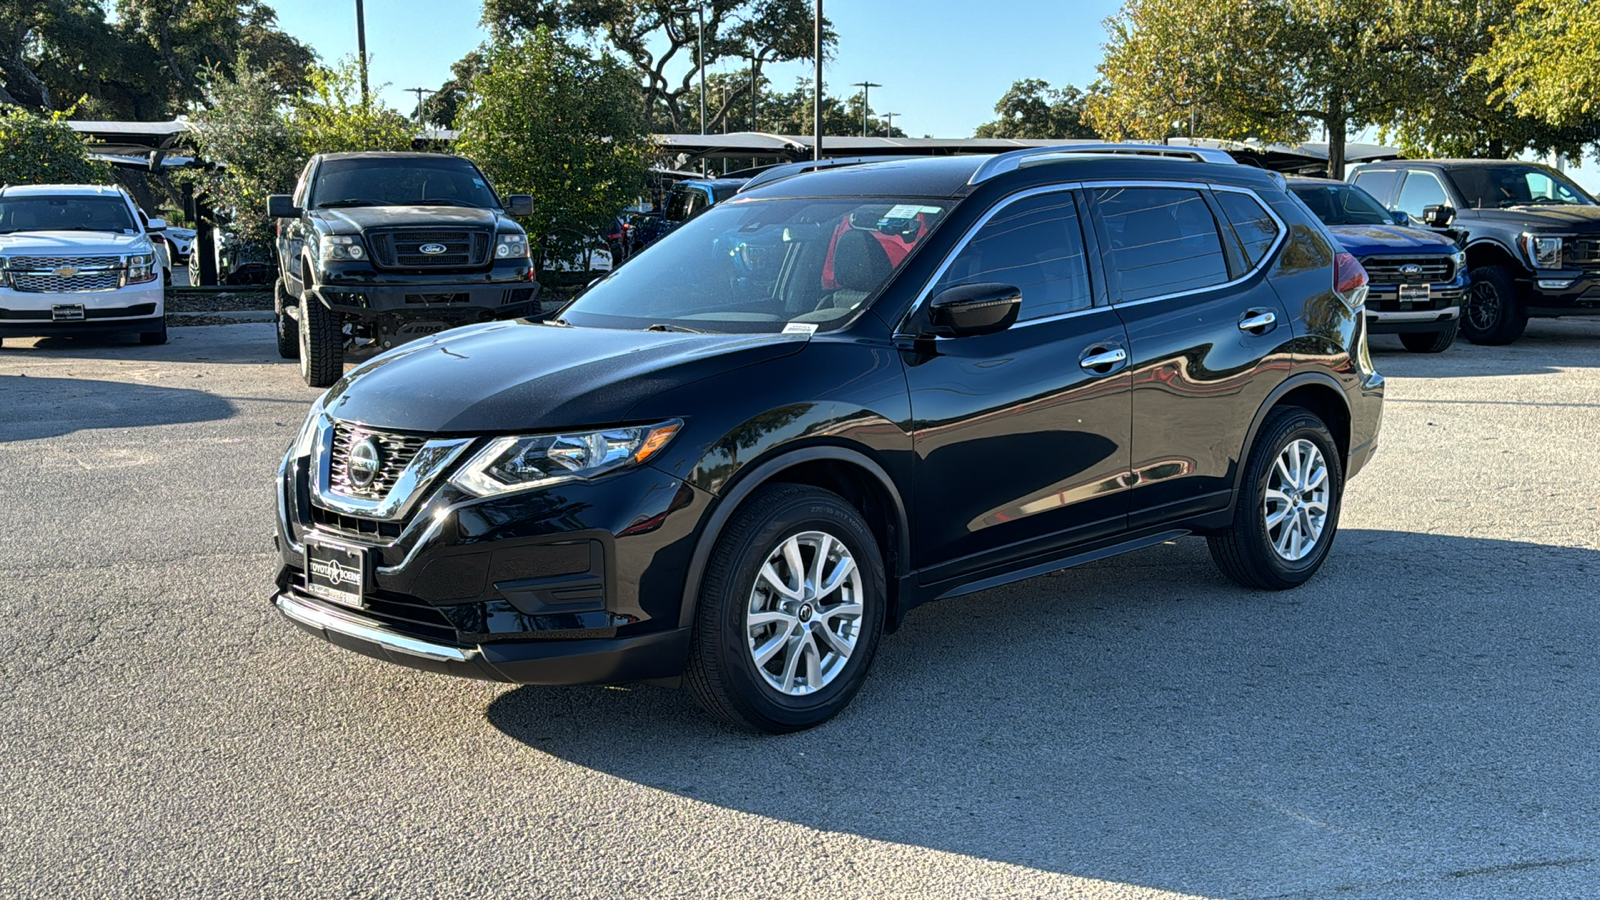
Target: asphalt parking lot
[[1419, 721]]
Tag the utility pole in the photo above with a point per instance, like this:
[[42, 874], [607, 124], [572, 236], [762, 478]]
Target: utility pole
[[701, 61], [816, 107], [419, 91], [361, 50], [888, 129], [754, 58], [866, 91]]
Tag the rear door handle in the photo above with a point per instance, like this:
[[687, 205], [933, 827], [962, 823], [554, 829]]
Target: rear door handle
[[1101, 360], [1257, 321]]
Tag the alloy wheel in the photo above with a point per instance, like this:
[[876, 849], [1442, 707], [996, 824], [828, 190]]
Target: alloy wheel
[[803, 620], [1483, 307], [1295, 509]]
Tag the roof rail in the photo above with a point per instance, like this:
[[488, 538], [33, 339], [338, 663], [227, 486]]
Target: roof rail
[[789, 170], [1016, 159]]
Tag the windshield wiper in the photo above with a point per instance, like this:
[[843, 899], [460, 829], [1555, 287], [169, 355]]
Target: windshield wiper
[[680, 329], [349, 201], [443, 202]]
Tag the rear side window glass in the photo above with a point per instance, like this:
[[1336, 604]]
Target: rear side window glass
[[1421, 190], [1160, 241], [1034, 244], [1379, 184], [1255, 227], [678, 204]]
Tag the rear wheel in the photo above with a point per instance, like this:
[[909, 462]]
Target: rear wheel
[[1491, 314], [1288, 507], [789, 613], [321, 343], [1431, 341]]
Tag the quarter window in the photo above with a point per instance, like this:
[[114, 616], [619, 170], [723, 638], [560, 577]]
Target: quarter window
[[1161, 241], [1421, 190], [1034, 244], [1254, 226]]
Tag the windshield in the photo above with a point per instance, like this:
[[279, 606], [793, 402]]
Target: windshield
[[1342, 204], [756, 266], [401, 181], [66, 214], [1513, 184]]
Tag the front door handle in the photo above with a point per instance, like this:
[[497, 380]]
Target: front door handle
[[1258, 321], [1101, 360]]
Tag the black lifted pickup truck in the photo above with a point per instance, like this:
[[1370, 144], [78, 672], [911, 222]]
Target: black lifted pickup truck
[[380, 248], [1532, 237]]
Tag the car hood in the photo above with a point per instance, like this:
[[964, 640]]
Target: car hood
[[72, 243], [364, 217], [523, 376], [1582, 219], [1366, 239]]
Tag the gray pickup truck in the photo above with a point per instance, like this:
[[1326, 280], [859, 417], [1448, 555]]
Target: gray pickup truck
[[378, 248]]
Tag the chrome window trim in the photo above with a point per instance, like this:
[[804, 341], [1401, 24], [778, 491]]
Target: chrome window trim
[[430, 460], [1266, 258]]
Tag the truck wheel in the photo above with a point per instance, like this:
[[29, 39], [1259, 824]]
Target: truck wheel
[[1288, 506], [1492, 315], [288, 329], [1431, 341], [158, 336], [321, 343], [790, 612]]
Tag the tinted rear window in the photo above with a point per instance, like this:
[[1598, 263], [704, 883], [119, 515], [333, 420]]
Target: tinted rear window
[[1254, 226], [1160, 241]]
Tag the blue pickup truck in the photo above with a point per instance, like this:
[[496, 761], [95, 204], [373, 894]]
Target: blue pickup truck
[[1418, 276]]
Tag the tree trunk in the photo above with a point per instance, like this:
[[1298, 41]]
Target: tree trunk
[[1497, 148], [1336, 140]]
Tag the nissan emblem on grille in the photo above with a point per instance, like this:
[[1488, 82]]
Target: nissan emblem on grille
[[432, 249], [365, 462]]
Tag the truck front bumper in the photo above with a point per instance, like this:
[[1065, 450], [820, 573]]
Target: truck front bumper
[[132, 309]]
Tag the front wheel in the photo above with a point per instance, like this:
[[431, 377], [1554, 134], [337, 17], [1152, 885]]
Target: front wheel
[[790, 612], [158, 336], [1492, 315], [1431, 341], [1288, 506], [321, 343]]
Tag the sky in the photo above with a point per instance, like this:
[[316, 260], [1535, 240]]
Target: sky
[[943, 64]]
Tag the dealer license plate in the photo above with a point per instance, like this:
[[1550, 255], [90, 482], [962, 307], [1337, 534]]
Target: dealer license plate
[[1413, 293], [336, 572], [66, 313]]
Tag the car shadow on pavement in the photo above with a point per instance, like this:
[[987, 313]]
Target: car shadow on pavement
[[33, 407], [253, 343], [1548, 346], [1424, 709]]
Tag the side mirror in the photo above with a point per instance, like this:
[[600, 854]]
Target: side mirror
[[519, 205], [156, 225], [281, 206], [974, 309], [1438, 216], [1400, 218]]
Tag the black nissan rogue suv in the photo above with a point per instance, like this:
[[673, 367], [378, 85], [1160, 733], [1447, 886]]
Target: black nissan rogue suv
[[739, 460]]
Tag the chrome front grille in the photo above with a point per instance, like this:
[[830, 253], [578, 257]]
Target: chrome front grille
[[394, 454], [402, 248], [1386, 269], [44, 274]]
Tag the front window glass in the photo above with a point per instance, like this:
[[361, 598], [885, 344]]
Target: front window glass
[[1512, 184], [1342, 204], [1162, 241], [1377, 182], [66, 214], [401, 181], [1421, 191], [1035, 245], [756, 266]]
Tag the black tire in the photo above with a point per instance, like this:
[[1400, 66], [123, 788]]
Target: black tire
[[1492, 315], [159, 336], [288, 329], [321, 343], [722, 673], [1245, 552], [1431, 341]]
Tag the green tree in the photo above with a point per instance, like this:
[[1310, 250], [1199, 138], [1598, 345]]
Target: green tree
[[44, 150], [791, 113], [661, 41], [330, 117], [1546, 56], [549, 119], [194, 39], [441, 107], [1032, 109]]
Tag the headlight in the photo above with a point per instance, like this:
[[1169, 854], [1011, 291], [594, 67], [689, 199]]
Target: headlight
[[342, 246], [512, 246], [141, 268], [1542, 252], [1460, 260], [308, 431], [520, 463]]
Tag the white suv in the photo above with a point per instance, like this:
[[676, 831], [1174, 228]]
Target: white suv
[[74, 258]]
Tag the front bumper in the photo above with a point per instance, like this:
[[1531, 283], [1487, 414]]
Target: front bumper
[[1387, 315], [574, 584], [1562, 292], [358, 290], [135, 308]]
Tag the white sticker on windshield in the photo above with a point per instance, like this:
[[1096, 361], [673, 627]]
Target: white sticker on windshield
[[800, 328], [909, 211]]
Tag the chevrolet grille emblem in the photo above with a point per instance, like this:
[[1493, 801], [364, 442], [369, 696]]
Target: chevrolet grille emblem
[[66, 271]]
